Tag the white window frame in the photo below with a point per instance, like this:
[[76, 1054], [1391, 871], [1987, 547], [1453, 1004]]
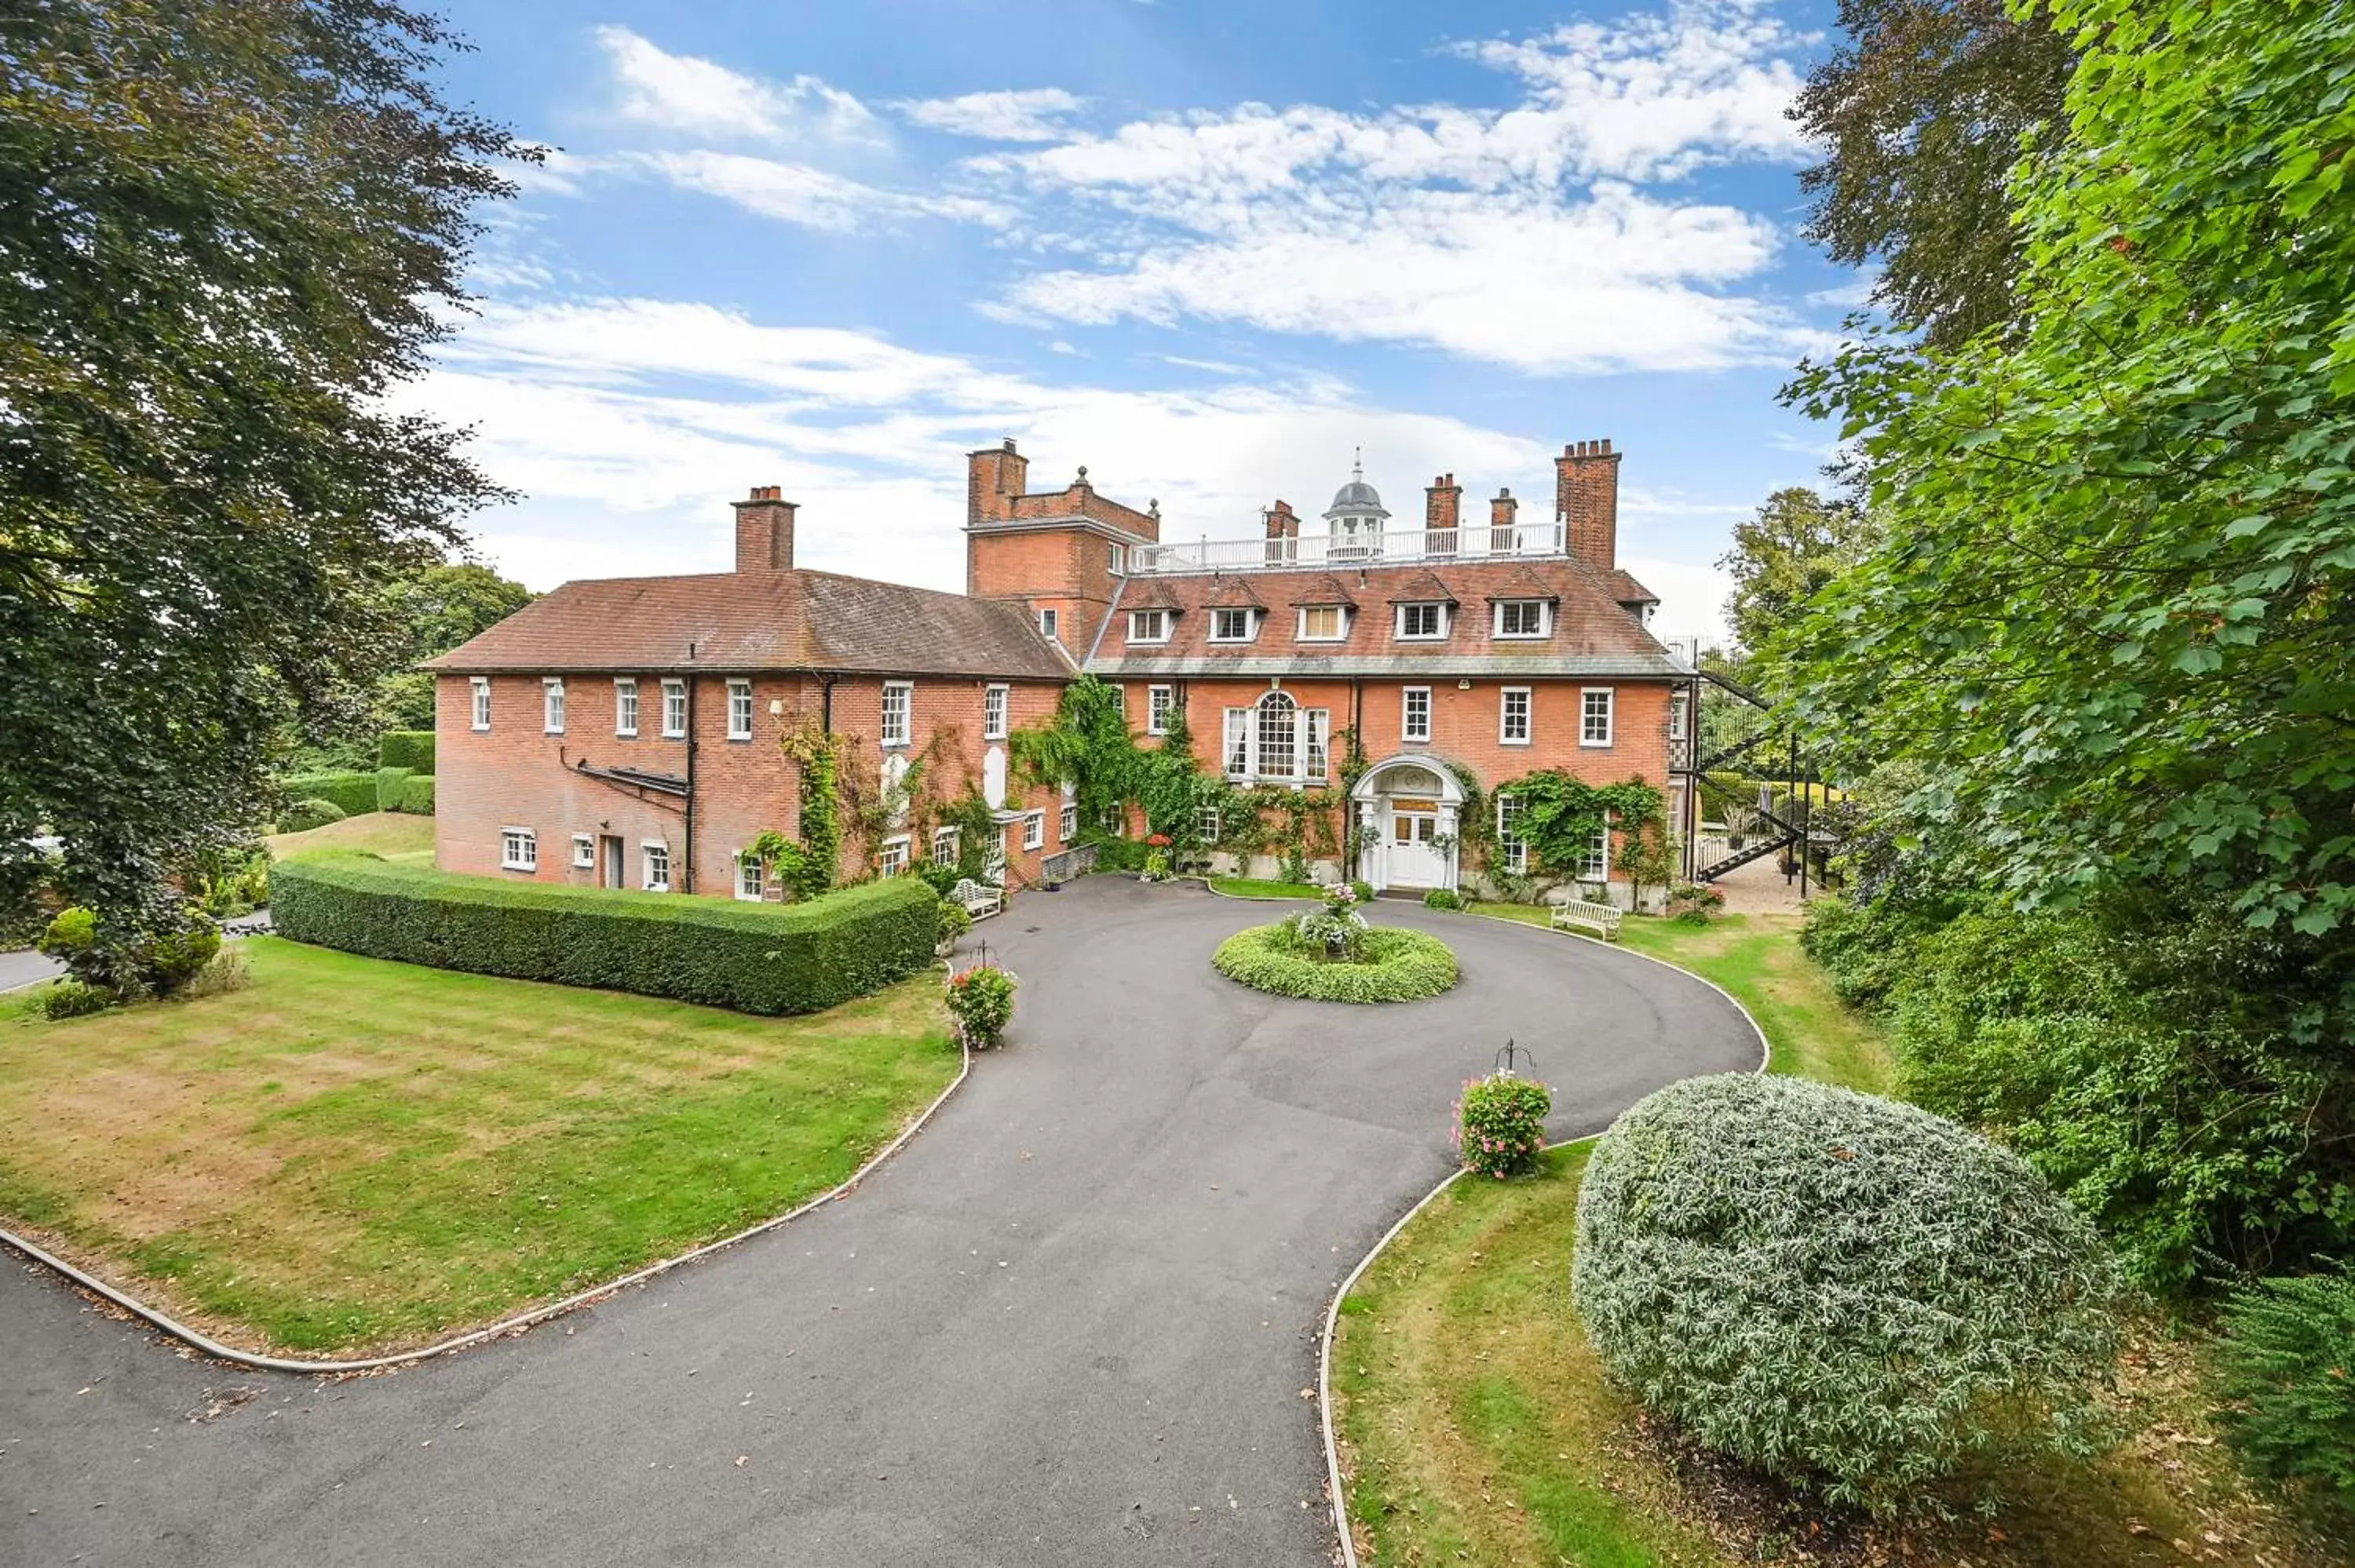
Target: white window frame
[[1595, 865], [752, 877], [948, 845], [994, 867], [1160, 702], [1311, 741], [1218, 614], [891, 857], [906, 692], [1034, 830], [1505, 735], [1067, 822], [479, 697], [625, 707], [1207, 824], [1587, 713], [1438, 608], [674, 695], [1340, 622], [1544, 619], [1158, 620], [518, 849], [584, 852], [997, 702], [551, 704], [740, 706], [1407, 728], [1050, 624], [1117, 558], [1516, 848], [649, 850], [1679, 713]]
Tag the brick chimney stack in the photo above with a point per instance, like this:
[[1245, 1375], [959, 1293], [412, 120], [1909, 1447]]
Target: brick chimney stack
[[1442, 504], [1502, 511], [765, 532], [1586, 502], [1282, 527], [994, 477]]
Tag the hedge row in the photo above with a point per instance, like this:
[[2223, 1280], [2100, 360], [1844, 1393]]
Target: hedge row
[[1400, 965], [410, 748], [354, 792], [767, 958], [416, 796]]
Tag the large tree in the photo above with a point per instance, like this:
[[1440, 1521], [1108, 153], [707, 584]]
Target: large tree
[[2114, 613], [1920, 114], [440, 608], [1782, 557], [233, 227]]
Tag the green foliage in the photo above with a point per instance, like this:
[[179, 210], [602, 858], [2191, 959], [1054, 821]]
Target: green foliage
[[1398, 966], [234, 232], [1500, 1123], [2109, 609], [1156, 866], [416, 796], [1783, 557], [410, 748], [352, 792], [130, 959], [1561, 814], [388, 782], [1839, 1290], [753, 958], [950, 920], [817, 758], [70, 998], [2286, 1365], [1334, 933], [435, 609], [1087, 744], [1443, 898], [303, 815], [1364, 890], [981, 999], [1697, 903]]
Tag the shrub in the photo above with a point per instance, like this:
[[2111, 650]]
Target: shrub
[[1397, 966], [226, 973], [410, 748], [1364, 890], [388, 781], [940, 875], [1157, 866], [1335, 934], [416, 796], [1695, 903], [303, 815], [754, 958], [129, 961], [1443, 898], [950, 920], [1839, 1290], [981, 999], [1500, 1123], [2286, 1363], [353, 793], [70, 998]]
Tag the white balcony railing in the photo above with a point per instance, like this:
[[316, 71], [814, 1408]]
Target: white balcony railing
[[1483, 543]]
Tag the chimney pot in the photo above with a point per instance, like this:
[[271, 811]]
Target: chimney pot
[[1586, 502], [1442, 504]]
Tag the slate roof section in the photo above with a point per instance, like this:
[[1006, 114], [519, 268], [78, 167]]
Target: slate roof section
[[796, 620]]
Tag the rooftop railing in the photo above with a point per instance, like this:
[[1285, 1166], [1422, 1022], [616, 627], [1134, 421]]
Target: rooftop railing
[[1525, 540]]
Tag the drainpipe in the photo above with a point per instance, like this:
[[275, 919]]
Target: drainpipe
[[686, 866]]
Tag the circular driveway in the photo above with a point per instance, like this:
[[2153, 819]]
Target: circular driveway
[[1071, 1323]]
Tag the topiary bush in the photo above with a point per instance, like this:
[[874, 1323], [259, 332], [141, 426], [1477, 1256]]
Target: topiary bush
[[410, 748], [1395, 966], [2286, 1365], [388, 781], [303, 815], [353, 793], [1500, 1123], [416, 796], [981, 999], [1842, 1291], [753, 958]]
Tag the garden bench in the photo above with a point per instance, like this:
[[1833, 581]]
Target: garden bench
[[980, 902], [1602, 919]]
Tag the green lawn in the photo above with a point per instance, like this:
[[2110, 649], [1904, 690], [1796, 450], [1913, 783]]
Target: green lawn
[[1259, 887], [1476, 1428], [353, 1154], [394, 835]]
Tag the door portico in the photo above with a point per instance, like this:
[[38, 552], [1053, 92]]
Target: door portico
[[1408, 808]]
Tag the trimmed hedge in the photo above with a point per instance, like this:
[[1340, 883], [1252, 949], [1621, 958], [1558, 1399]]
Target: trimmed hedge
[[355, 792], [388, 781], [416, 795], [752, 958], [1400, 965], [303, 815], [410, 748]]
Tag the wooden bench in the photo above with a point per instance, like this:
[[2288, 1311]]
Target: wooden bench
[[1602, 919], [980, 901]]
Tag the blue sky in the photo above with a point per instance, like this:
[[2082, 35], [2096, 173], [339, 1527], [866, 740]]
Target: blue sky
[[1206, 250]]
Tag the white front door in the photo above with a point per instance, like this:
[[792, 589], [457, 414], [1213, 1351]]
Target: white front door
[[1414, 860]]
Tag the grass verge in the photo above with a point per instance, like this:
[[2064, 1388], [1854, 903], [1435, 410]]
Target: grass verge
[[1259, 887], [355, 1155], [392, 834]]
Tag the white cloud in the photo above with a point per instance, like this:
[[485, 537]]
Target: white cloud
[[684, 93], [1692, 597], [796, 193], [1031, 114]]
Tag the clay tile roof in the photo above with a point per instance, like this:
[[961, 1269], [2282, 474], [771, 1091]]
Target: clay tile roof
[[1626, 589], [1324, 589], [1522, 582], [795, 619], [1420, 588], [1157, 594], [1233, 593]]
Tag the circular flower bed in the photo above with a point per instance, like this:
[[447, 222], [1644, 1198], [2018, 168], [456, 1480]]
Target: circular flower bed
[[1391, 965]]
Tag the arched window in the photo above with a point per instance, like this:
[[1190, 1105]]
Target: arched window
[[1278, 735]]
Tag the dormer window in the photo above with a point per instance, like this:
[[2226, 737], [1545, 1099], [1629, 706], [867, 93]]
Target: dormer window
[[1524, 618], [1323, 623], [1232, 626], [1148, 625], [1422, 622]]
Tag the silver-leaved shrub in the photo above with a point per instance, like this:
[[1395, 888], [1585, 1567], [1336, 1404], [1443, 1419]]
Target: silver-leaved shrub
[[1842, 1291]]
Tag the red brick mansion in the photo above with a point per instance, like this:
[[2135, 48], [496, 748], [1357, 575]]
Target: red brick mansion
[[632, 732]]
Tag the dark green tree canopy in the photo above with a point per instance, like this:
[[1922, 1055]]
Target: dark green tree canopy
[[232, 228], [1783, 557]]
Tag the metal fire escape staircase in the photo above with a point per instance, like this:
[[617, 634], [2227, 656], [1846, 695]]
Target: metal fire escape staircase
[[1786, 834]]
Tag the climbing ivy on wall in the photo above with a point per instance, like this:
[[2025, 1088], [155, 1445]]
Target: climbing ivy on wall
[[817, 757], [1560, 815]]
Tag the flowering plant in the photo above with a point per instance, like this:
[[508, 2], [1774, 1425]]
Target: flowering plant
[[1500, 1123], [981, 999], [1159, 841]]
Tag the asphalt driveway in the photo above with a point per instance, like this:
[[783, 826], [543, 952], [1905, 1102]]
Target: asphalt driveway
[[1071, 1323]]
